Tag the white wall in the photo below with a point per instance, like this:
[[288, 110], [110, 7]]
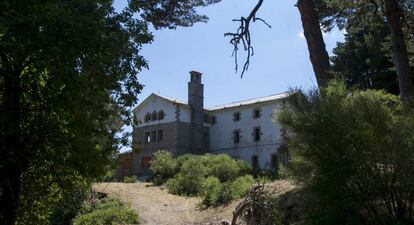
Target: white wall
[[185, 114], [154, 102], [221, 133]]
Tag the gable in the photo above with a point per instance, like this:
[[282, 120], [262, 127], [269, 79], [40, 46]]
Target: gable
[[155, 104]]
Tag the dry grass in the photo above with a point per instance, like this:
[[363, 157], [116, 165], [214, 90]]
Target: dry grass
[[157, 207]]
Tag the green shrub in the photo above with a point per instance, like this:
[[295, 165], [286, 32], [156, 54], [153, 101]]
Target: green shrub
[[241, 185], [110, 176], [173, 186], [163, 166], [211, 191], [182, 158], [189, 180], [216, 193], [355, 150], [244, 167], [107, 212], [214, 177], [223, 167], [284, 173], [130, 179]]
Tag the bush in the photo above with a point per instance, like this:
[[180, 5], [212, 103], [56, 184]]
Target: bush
[[130, 179], [355, 149], [241, 185], [284, 173], [223, 167], [107, 212], [244, 167], [214, 177], [211, 191], [110, 176], [190, 179], [216, 193], [163, 166]]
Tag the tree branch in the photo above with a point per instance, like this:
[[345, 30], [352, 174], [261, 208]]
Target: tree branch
[[242, 36]]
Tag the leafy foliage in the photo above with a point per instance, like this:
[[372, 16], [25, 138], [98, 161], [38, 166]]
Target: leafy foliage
[[163, 166], [217, 178], [130, 179], [171, 14], [364, 59], [107, 212], [216, 193], [68, 81], [355, 150]]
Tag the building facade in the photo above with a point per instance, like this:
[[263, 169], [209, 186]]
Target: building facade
[[245, 130]]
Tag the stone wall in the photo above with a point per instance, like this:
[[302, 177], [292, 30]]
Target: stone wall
[[176, 139]]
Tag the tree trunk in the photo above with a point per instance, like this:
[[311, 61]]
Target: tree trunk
[[399, 50], [317, 50], [11, 149]]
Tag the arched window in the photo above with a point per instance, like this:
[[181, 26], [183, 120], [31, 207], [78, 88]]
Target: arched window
[[161, 115], [147, 117], [154, 116]]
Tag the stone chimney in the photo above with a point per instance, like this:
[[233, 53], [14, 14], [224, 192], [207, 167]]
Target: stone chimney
[[196, 103]]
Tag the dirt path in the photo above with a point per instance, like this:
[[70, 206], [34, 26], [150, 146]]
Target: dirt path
[[157, 207]]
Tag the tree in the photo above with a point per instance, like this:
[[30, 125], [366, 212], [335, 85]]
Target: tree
[[397, 14], [171, 14], [394, 14], [363, 60], [317, 50], [355, 150], [68, 69]]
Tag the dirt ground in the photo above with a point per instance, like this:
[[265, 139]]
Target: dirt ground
[[157, 207]]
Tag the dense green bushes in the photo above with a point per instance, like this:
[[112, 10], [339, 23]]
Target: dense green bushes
[[355, 150], [217, 178], [106, 212], [217, 193], [130, 179], [163, 167]]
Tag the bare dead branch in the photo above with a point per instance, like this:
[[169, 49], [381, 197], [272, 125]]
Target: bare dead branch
[[242, 36]]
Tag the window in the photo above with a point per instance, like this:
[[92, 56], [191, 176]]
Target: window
[[160, 135], [236, 137], [153, 136], [161, 115], [236, 116], [206, 119], [256, 113], [145, 162], [147, 137], [147, 117], [213, 120], [274, 162], [255, 162], [154, 116], [256, 134]]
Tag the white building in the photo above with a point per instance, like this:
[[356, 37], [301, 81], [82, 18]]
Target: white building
[[244, 129]]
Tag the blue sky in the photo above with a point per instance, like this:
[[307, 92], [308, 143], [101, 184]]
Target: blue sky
[[281, 59]]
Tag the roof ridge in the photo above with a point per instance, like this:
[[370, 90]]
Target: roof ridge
[[171, 98], [250, 99]]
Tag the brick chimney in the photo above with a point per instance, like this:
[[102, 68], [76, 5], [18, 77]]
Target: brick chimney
[[196, 103]]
